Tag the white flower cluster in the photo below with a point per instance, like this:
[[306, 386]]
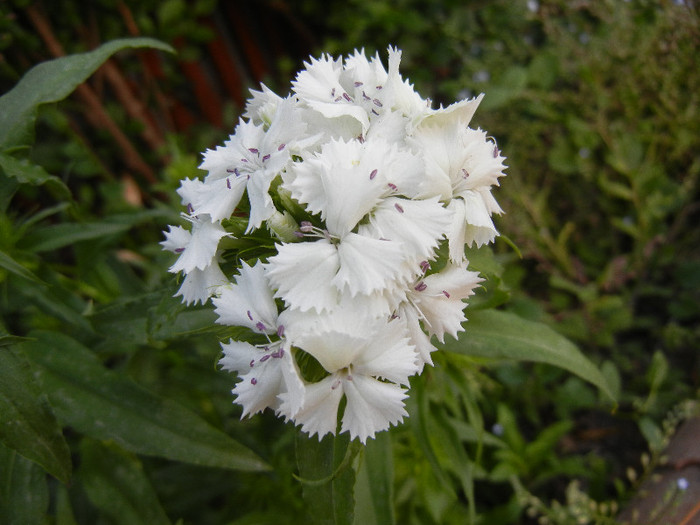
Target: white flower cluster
[[360, 183]]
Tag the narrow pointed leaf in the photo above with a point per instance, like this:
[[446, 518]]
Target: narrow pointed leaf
[[374, 487], [107, 405], [26, 172], [16, 268], [24, 493], [59, 235], [52, 81], [117, 485], [501, 335], [28, 424]]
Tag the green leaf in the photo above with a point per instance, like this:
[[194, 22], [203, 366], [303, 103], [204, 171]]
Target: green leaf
[[24, 494], [374, 487], [108, 405], [64, 510], [52, 81], [502, 335], [28, 424], [54, 300], [26, 172], [60, 235], [13, 266], [9, 339], [328, 477], [116, 484]]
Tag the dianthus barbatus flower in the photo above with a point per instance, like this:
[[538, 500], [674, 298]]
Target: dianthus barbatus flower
[[368, 367], [360, 199]]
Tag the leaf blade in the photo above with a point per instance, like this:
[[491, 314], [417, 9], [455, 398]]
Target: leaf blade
[[28, 423], [117, 485], [106, 405], [52, 81], [502, 335]]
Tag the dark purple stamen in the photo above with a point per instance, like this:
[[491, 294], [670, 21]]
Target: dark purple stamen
[[358, 84], [230, 171], [228, 183], [425, 266], [465, 173], [373, 174], [254, 150], [253, 381], [265, 358], [333, 92], [190, 208], [266, 157], [446, 293], [179, 250], [495, 152], [250, 316], [244, 160], [398, 207], [364, 95], [373, 111], [252, 362], [281, 147], [378, 87], [299, 235], [260, 326], [338, 99], [280, 331], [377, 103], [347, 97], [421, 286], [306, 227], [392, 186]]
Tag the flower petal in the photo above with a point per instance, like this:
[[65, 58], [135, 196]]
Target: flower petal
[[386, 353], [372, 406], [200, 285], [417, 224], [202, 247], [440, 301], [319, 414], [249, 302], [368, 265], [303, 273]]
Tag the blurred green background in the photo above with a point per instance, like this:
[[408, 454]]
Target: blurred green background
[[595, 105]]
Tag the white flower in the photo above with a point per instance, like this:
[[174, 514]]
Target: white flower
[[356, 186], [252, 157], [367, 364], [437, 300], [417, 224], [198, 259], [345, 181], [269, 377], [262, 106], [249, 302], [197, 248], [318, 86], [315, 275], [198, 285]]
